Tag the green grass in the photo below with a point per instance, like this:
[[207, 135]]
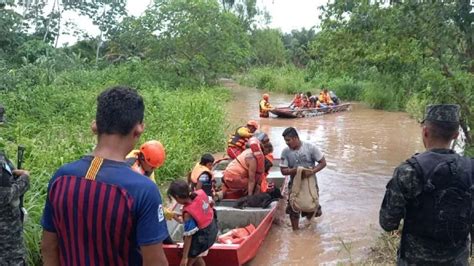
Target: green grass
[[53, 122]]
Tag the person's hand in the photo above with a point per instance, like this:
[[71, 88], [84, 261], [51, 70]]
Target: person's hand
[[178, 218], [20, 172], [184, 262]]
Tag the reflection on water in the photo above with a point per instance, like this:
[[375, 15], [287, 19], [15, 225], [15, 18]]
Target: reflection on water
[[361, 147]]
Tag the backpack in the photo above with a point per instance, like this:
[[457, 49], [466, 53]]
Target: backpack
[[5, 171], [443, 210], [303, 195]]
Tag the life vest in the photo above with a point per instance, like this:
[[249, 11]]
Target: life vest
[[236, 140], [200, 209], [264, 182], [297, 102], [264, 111], [237, 235], [447, 179], [198, 170], [132, 161], [325, 98], [254, 145]]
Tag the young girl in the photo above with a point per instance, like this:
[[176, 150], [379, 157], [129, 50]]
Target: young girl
[[200, 225]]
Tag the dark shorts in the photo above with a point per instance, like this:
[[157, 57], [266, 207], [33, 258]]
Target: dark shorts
[[203, 239], [296, 215]]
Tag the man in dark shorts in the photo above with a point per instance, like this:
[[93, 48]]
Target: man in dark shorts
[[299, 153]]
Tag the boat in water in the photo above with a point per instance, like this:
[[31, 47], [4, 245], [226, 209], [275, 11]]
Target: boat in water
[[230, 218], [288, 112]]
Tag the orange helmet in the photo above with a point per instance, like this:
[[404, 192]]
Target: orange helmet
[[266, 96], [153, 153], [252, 123]]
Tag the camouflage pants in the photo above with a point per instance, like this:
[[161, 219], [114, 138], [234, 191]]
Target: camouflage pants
[[17, 262], [461, 260]]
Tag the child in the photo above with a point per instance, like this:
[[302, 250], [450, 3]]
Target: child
[[201, 176], [200, 225]]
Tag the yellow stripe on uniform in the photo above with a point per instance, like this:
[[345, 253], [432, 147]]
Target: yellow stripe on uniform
[[94, 168]]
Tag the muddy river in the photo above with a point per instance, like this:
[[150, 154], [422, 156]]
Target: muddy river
[[361, 147]]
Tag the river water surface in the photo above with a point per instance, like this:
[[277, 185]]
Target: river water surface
[[362, 147]]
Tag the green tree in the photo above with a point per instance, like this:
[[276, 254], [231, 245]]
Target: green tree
[[267, 47]]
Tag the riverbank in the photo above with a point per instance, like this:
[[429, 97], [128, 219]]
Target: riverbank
[[53, 122]]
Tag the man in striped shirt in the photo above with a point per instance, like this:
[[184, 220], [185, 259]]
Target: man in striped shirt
[[99, 211]]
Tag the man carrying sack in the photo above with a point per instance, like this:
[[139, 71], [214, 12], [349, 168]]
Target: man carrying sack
[[304, 198]]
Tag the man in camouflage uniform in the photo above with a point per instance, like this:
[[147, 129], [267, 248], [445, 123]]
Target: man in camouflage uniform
[[431, 192], [13, 184]]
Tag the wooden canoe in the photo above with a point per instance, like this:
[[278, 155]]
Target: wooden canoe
[[287, 112], [230, 218]]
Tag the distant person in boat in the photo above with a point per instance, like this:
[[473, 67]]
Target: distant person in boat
[[147, 159], [85, 196], [334, 98], [200, 222], [305, 154], [312, 100], [432, 193], [244, 174], [297, 102], [201, 176], [325, 98], [264, 106], [238, 140]]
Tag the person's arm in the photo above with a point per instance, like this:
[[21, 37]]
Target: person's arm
[[18, 187], [320, 166], [252, 164], [151, 227], [403, 186], [50, 249], [153, 255], [288, 171]]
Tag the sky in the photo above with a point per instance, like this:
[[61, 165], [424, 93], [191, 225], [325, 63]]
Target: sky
[[286, 15]]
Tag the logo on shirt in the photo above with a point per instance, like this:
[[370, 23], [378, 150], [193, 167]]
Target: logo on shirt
[[161, 216]]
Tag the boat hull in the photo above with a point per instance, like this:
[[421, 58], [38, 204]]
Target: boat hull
[[286, 112], [229, 218]]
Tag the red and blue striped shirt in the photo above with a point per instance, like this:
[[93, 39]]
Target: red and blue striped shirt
[[105, 220]]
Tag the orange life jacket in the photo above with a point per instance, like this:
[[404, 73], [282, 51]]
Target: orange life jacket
[[198, 170], [236, 173], [264, 182], [237, 235], [325, 98], [236, 140], [297, 102], [200, 209]]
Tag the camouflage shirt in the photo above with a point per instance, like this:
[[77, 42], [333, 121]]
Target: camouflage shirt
[[403, 188], [12, 251]]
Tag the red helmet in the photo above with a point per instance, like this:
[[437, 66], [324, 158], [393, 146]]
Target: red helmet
[[153, 153], [252, 123], [266, 96]]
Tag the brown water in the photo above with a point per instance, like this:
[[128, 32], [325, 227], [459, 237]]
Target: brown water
[[361, 147]]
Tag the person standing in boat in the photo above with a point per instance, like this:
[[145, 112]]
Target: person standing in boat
[[299, 153], [200, 222], [265, 106], [238, 140], [97, 208]]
